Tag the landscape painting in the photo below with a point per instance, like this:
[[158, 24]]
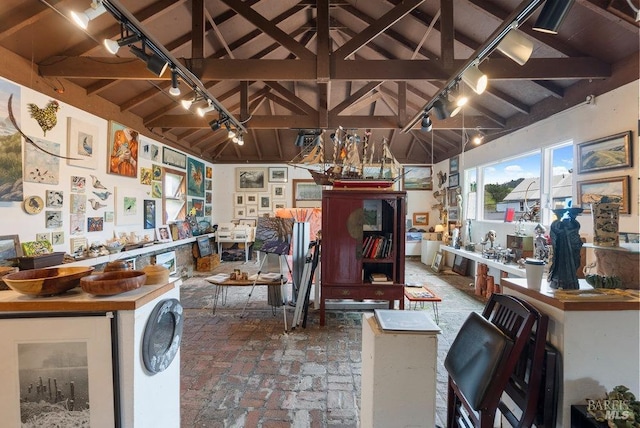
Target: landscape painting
[[10, 145], [417, 178], [605, 153], [614, 189]]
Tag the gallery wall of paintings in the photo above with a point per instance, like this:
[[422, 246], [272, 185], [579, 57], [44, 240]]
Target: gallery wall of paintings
[[78, 176]]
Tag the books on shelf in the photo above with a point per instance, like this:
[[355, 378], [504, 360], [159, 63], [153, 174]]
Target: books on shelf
[[377, 246], [380, 278]]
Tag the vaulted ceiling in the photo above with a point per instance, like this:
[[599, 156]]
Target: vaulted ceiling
[[283, 65]]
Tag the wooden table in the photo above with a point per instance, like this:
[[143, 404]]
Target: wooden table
[[423, 294]]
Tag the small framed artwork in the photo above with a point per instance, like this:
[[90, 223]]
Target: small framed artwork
[[606, 153], [156, 189], [372, 215], [420, 219], [184, 229], [454, 180], [57, 238], [174, 158], [417, 178], [76, 224], [82, 144], [239, 199], [145, 175], [460, 265], [208, 185], [78, 244], [209, 173], [53, 219], [46, 347], [207, 197], [436, 265], [413, 237], [156, 171], [204, 246], [78, 184], [149, 214], [195, 178], [239, 212], [306, 193], [123, 150], [454, 164], [277, 191], [452, 196], [131, 263], [615, 189], [10, 247], [279, 205], [167, 260], [264, 202], [252, 179], [252, 211], [251, 198], [278, 174], [54, 198], [108, 216], [197, 206], [207, 210], [149, 150], [95, 224], [454, 215], [163, 234], [43, 237]]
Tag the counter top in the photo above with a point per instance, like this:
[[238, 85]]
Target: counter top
[[624, 247], [76, 300], [588, 299], [511, 268]]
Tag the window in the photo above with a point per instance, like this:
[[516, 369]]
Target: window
[[512, 186], [557, 191]]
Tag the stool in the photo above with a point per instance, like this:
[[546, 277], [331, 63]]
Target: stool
[[423, 294]]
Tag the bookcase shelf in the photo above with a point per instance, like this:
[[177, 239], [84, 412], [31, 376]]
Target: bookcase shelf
[[351, 219]]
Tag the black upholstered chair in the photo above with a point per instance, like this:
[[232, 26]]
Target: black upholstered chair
[[499, 354]]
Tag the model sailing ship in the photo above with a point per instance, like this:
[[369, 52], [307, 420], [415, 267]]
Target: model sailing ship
[[347, 168]]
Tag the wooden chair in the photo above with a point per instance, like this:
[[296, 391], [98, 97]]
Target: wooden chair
[[498, 354]]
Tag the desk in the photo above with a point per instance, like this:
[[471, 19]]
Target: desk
[[423, 294], [220, 290]]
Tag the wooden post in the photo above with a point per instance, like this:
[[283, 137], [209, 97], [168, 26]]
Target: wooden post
[[491, 286], [481, 279]]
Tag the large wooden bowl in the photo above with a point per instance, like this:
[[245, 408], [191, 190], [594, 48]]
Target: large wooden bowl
[[46, 282], [114, 282]]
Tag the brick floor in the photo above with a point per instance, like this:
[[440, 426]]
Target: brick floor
[[247, 372]]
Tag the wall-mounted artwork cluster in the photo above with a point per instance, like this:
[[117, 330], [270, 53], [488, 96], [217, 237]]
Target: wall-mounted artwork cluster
[[259, 191]]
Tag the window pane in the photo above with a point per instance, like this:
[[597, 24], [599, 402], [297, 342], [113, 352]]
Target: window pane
[[512, 189], [562, 162]]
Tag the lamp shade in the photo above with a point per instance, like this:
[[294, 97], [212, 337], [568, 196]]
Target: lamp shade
[[455, 106], [439, 228], [82, 18], [475, 78], [516, 47], [552, 15]]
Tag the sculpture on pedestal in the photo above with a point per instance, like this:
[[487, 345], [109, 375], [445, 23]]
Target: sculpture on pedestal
[[566, 243]]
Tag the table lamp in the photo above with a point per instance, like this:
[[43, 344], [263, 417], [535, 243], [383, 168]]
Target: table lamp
[[439, 230]]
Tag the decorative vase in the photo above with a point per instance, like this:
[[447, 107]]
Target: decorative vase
[[566, 243], [605, 224]]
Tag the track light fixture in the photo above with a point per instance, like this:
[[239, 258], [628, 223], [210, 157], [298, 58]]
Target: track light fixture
[[240, 141], [455, 105], [552, 15], [477, 138], [217, 123], [82, 18], [155, 64], [516, 46], [475, 78], [230, 133], [175, 91], [114, 45], [204, 110], [186, 104], [426, 125], [440, 109], [300, 139]]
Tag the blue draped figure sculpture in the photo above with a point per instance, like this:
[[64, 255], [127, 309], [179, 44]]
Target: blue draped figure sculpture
[[566, 242]]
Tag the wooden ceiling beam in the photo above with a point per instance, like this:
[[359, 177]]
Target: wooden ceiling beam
[[355, 97], [291, 97], [99, 86], [144, 96], [25, 16]]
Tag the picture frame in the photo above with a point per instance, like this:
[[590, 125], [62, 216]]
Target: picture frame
[[454, 164], [127, 206], [168, 260], [131, 263], [420, 219], [306, 193], [460, 265], [163, 233], [413, 237], [454, 180], [184, 229], [75, 337], [174, 158], [251, 211], [195, 178], [204, 246], [54, 199], [264, 202], [436, 265], [251, 198], [197, 205], [417, 177], [372, 215], [123, 146], [238, 199], [454, 214], [615, 188], [10, 248], [278, 191], [252, 179], [607, 153], [278, 174], [149, 214], [82, 144], [239, 212]]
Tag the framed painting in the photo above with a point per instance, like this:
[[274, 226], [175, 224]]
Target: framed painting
[[128, 206], [195, 178], [184, 229], [163, 234], [278, 174], [606, 153], [615, 189], [123, 148], [460, 265], [43, 237], [149, 150], [204, 246], [239, 199], [239, 212], [53, 219], [436, 265], [95, 224], [454, 180], [264, 202], [251, 179], [167, 260], [146, 174], [454, 163], [78, 184], [251, 211], [197, 207], [251, 198], [54, 198], [420, 219], [57, 238], [82, 144], [11, 182], [306, 193], [278, 191], [209, 173], [417, 178], [454, 214], [174, 158], [149, 214], [66, 351], [372, 215], [9, 248], [41, 167]]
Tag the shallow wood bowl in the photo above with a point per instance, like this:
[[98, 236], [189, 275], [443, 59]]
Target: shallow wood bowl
[[46, 282], [115, 282]]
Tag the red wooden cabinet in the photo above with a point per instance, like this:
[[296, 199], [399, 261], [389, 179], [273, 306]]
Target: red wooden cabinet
[[362, 234]]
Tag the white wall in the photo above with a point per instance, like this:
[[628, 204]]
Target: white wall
[[16, 221], [613, 112]]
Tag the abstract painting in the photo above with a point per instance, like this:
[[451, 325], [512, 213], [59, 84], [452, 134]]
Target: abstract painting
[[95, 224]]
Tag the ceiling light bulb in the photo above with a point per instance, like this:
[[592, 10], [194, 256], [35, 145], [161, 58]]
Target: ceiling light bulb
[[113, 46], [477, 139], [175, 91], [82, 18], [476, 79], [186, 104], [231, 134], [204, 110], [240, 141]]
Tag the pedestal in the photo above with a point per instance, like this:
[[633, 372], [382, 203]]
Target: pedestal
[[398, 376]]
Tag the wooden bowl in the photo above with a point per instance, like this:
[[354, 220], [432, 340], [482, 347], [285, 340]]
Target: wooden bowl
[[46, 282], [115, 282]]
